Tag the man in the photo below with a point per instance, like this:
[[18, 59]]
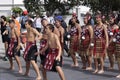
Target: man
[[14, 47], [31, 48], [53, 59], [61, 31]]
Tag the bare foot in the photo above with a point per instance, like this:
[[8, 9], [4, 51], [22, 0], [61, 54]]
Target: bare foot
[[38, 78], [84, 67], [26, 74], [101, 72], [74, 65], [11, 68], [20, 71], [89, 68], [110, 68], [96, 71], [118, 76]]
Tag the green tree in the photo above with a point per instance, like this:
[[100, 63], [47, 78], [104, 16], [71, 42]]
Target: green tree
[[104, 5], [17, 10], [34, 6]]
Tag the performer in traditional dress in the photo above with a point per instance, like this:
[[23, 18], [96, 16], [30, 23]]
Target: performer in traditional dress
[[111, 48], [31, 48], [100, 44], [75, 33], [14, 47], [85, 44], [117, 48], [53, 59]]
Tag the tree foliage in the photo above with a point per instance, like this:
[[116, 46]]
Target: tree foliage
[[33, 6], [17, 10], [36, 6]]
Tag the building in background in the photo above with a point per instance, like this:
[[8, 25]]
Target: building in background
[[7, 5]]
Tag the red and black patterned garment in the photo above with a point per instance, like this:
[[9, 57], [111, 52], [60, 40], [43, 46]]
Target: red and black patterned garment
[[50, 61], [117, 44], [43, 44], [111, 47], [99, 42], [74, 42], [30, 51], [11, 52], [85, 41]]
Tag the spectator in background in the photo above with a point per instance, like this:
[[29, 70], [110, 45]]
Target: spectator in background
[[5, 34], [17, 24], [37, 23]]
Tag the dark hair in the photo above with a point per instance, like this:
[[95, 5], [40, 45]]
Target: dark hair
[[11, 21], [4, 18], [30, 22], [14, 16], [43, 20], [51, 27]]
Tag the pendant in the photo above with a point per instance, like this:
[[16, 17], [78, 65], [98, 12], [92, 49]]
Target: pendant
[[114, 39], [83, 37], [92, 44]]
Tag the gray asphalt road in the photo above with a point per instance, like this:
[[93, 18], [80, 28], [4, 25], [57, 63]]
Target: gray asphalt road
[[70, 73]]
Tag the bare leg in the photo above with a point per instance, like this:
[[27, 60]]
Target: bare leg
[[83, 62], [96, 65], [27, 68], [89, 63], [6, 46], [60, 72], [44, 73], [35, 66], [101, 66], [72, 53], [118, 61], [111, 60], [19, 64], [11, 63]]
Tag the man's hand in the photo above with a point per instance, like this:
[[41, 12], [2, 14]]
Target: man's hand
[[58, 58], [37, 53], [18, 48]]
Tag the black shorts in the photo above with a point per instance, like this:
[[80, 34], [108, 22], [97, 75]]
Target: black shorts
[[57, 63], [31, 53], [5, 38], [14, 50], [43, 57]]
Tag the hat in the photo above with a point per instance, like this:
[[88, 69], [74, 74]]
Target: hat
[[74, 14], [60, 18], [25, 12]]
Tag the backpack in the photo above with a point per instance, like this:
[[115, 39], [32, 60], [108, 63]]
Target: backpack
[[24, 18]]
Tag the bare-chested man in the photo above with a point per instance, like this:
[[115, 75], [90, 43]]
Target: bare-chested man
[[53, 59], [61, 31], [14, 47], [31, 48]]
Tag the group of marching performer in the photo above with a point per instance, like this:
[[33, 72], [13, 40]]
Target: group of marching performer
[[95, 42], [89, 41]]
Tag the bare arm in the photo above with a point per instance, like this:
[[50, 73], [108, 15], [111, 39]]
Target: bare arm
[[59, 47], [18, 36], [62, 34], [39, 35], [106, 35], [79, 30], [91, 32]]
